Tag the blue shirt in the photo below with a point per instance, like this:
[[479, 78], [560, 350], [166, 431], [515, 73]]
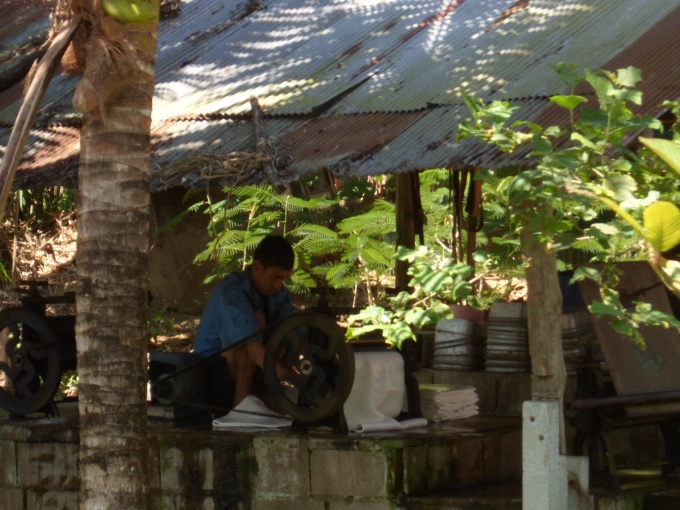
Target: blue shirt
[[229, 315]]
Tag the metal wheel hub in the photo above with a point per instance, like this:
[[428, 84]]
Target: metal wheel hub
[[30, 361]]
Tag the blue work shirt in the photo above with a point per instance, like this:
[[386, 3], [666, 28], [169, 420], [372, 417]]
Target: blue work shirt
[[229, 315]]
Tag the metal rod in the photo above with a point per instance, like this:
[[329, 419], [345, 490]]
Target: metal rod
[[659, 397], [226, 410], [239, 343]]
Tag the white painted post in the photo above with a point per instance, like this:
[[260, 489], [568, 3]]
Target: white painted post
[[544, 473], [578, 479]]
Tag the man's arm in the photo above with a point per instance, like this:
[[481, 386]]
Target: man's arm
[[256, 351]]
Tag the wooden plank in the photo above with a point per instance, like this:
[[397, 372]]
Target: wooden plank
[[634, 369]]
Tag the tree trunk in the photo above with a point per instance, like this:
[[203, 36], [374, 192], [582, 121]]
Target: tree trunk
[[115, 96], [544, 310]]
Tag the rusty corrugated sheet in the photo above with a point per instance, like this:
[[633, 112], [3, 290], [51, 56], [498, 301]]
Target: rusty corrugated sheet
[[51, 158], [25, 26], [363, 87]]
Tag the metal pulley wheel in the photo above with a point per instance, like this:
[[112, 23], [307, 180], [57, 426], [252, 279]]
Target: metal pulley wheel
[[314, 348], [30, 361]]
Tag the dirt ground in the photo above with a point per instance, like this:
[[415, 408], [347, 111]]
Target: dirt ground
[[43, 260]]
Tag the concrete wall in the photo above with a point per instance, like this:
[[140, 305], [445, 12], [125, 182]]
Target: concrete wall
[[174, 281], [277, 470]]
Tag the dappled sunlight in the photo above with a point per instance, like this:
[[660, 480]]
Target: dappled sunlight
[[296, 57], [308, 59], [271, 56]]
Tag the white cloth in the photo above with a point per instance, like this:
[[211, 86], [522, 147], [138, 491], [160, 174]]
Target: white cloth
[[441, 402], [378, 394], [391, 424], [252, 413]]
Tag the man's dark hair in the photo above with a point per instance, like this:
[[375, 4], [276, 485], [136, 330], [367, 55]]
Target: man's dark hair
[[275, 251]]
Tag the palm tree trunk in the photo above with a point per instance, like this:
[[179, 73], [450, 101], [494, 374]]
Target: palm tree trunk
[[115, 95]]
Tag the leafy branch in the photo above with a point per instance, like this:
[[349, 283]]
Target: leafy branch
[[572, 170], [437, 283]]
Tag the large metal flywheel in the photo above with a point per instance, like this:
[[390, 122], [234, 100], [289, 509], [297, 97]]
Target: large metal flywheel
[[314, 348], [30, 361]]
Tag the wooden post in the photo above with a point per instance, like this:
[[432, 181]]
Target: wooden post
[[406, 232]]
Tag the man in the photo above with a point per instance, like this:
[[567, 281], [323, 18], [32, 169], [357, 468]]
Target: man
[[244, 303]]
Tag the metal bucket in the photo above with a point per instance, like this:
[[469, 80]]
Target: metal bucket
[[457, 346]]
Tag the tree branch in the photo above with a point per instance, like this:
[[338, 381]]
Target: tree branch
[[29, 108]]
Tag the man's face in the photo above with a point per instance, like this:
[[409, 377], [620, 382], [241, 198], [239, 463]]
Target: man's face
[[268, 280]]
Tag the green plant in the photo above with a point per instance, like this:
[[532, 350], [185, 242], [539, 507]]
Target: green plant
[[661, 220], [41, 206], [160, 325], [437, 282], [333, 248], [246, 215], [68, 386], [345, 242], [572, 173], [363, 252]]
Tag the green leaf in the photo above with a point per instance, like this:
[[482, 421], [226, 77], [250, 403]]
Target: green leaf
[[598, 308], [361, 331], [524, 181], [416, 316], [662, 225], [404, 253], [131, 11], [622, 164], [568, 101], [568, 73], [593, 117], [461, 290], [622, 186], [584, 272], [374, 255], [628, 77], [397, 334], [602, 86], [634, 96], [624, 328], [583, 140], [606, 228], [434, 282], [375, 314], [667, 150]]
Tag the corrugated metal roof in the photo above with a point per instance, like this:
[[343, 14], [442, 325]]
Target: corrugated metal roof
[[362, 86], [25, 26]]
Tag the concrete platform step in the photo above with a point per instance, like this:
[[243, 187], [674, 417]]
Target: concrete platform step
[[274, 469], [389, 466], [460, 453], [501, 495], [642, 489]]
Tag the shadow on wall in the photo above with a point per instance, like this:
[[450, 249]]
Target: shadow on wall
[[174, 281]]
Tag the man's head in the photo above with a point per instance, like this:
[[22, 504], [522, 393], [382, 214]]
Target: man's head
[[272, 263]]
